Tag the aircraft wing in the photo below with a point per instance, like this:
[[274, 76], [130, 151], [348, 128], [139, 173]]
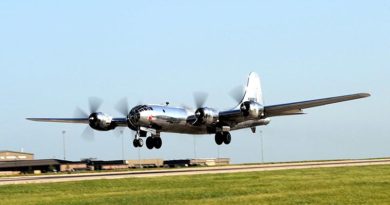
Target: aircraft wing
[[61, 120], [117, 121], [296, 107]]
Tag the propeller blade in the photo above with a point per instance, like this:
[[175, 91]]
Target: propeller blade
[[94, 104], [188, 108], [123, 107], [88, 134], [79, 113], [237, 93], [200, 99]]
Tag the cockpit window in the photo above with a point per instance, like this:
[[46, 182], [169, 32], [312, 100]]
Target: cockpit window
[[140, 108]]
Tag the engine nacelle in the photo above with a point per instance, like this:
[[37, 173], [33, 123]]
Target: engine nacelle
[[100, 121], [252, 109], [206, 116]]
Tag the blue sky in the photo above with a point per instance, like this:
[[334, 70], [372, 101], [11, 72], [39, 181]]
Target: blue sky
[[54, 55]]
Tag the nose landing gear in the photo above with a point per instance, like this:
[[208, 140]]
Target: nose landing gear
[[138, 142]]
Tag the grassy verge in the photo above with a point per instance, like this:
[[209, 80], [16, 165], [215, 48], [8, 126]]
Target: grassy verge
[[342, 185]]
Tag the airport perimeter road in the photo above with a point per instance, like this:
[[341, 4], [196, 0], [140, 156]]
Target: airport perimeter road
[[186, 171]]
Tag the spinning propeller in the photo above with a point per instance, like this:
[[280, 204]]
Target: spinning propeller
[[200, 100], [123, 107], [237, 93], [94, 104]]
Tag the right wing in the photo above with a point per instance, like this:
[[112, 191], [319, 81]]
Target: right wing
[[61, 120], [296, 107], [122, 122]]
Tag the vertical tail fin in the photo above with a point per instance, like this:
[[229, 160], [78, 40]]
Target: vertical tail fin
[[253, 90]]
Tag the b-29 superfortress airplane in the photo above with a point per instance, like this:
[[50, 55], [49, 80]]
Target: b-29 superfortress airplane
[[155, 119]]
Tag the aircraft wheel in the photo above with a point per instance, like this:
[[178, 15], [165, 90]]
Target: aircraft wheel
[[135, 143], [219, 138], [140, 143], [157, 142], [227, 138], [150, 143]]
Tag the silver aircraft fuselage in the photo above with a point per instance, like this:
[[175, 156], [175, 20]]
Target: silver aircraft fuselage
[[177, 120]]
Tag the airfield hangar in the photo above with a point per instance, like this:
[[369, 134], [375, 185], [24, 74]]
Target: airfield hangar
[[6, 155]]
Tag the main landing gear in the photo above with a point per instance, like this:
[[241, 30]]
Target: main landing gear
[[153, 141], [223, 137]]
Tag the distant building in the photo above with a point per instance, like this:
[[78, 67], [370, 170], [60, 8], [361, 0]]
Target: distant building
[[145, 163], [210, 162], [94, 164], [41, 166], [20, 162], [6, 155], [197, 162]]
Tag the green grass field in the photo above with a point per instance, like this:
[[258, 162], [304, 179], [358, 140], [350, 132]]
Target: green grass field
[[344, 185]]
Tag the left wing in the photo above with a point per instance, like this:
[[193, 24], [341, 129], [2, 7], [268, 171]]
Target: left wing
[[235, 116], [296, 107]]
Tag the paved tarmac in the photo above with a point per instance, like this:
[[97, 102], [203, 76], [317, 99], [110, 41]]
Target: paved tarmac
[[186, 171]]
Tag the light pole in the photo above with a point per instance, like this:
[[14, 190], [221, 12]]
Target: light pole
[[194, 147], [123, 148], [218, 151], [262, 146], [139, 157], [63, 143]]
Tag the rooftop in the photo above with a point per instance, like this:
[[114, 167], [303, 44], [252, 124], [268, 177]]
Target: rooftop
[[2, 151]]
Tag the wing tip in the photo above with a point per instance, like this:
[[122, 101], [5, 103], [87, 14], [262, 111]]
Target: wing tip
[[364, 95], [35, 119]]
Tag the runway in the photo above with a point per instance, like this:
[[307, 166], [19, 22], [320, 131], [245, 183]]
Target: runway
[[186, 171]]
